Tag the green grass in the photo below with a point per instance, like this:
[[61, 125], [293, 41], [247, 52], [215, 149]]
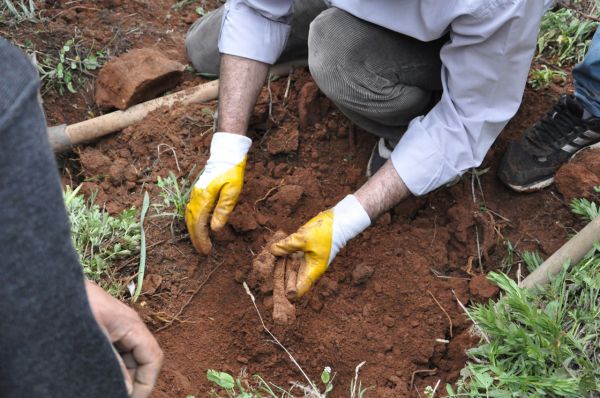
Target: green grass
[[100, 238], [175, 194], [541, 77], [256, 386], [18, 11], [181, 4], [564, 37], [542, 343]]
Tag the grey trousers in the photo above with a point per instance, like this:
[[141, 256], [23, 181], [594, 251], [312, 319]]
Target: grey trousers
[[378, 78]]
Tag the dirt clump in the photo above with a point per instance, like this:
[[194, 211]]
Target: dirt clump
[[242, 219], [94, 161], [579, 177], [284, 312], [309, 106], [361, 273], [136, 76], [277, 275], [261, 276], [284, 140], [480, 287], [286, 199]]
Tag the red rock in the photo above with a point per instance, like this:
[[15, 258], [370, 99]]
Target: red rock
[[135, 77]]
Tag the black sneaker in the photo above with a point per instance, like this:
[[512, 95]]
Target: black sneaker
[[380, 154], [529, 163]]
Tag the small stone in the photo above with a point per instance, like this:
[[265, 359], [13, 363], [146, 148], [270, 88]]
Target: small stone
[[151, 283], [316, 304], [361, 273], [238, 276], [395, 380], [268, 302], [377, 288], [242, 359], [389, 321]]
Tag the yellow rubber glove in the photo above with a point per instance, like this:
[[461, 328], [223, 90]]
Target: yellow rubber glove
[[321, 239], [220, 183]]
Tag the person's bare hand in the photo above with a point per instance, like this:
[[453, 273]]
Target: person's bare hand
[[139, 352]]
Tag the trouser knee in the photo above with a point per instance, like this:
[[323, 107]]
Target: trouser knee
[[349, 61], [201, 42]]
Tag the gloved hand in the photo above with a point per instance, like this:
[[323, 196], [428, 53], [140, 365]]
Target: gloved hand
[[321, 239], [221, 183]]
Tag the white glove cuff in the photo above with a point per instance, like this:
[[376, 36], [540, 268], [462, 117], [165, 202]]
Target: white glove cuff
[[349, 220], [228, 147], [226, 150]]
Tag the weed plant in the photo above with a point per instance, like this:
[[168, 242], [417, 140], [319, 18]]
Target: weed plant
[[256, 387], [542, 77], [100, 238], [175, 195], [564, 38], [67, 71], [543, 342]]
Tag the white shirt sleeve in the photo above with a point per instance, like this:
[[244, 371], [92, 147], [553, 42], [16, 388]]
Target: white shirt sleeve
[[484, 71], [255, 29]]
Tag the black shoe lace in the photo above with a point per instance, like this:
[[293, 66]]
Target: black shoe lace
[[550, 132]]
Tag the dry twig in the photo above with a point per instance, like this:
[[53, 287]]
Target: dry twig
[[443, 310]]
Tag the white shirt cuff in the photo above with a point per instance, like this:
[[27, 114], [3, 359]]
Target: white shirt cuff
[[247, 34], [419, 162]]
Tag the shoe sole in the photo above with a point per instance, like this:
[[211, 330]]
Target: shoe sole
[[539, 185]]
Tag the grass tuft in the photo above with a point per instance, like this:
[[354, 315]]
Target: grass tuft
[[16, 12], [564, 37], [70, 67], [100, 238], [542, 342]]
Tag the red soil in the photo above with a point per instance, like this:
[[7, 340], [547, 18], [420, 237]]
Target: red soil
[[386, 298]]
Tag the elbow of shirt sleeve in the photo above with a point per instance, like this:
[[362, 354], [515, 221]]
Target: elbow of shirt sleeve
[[419, 162], [246, 33]]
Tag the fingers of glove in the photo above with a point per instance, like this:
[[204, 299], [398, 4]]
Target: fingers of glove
[[293, 243], [227, 201], [310, 271], [196, 219]]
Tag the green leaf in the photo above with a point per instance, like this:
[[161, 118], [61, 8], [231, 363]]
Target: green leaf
[[222, 379], [326, 375], [200, 11]]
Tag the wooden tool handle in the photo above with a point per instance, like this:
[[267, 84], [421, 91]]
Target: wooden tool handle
[[575, 249], [63, 137]]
